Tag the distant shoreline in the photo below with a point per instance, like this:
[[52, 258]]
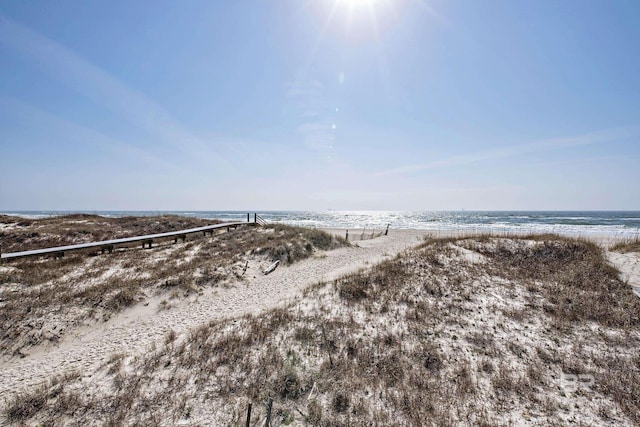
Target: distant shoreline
[[616, 224]]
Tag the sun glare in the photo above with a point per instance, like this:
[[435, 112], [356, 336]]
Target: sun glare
[[357, 3], [360, 17], [357, 6], [356, 21]]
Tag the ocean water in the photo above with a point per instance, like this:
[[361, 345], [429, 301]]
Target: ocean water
[[622, 224]]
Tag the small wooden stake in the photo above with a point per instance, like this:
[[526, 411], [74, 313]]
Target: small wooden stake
[[249, 414], [246, 265], [268, 421]]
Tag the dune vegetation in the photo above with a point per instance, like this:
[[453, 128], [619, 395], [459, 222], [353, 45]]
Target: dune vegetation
[[476, 331], [42, 299]]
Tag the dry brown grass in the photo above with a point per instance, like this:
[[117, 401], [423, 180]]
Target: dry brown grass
[[26, 405], [41, 299], [428, 338], [627, 246], [574, 276], [26, 234]]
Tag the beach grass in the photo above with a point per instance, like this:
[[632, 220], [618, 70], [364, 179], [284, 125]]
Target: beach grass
[[631, 245], [477, 330], [42, 299], [22, 234]]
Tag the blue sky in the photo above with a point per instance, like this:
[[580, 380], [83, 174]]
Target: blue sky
[[320, 104]]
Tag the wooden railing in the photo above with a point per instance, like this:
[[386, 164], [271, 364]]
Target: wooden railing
[[147, 240], [257, 219]]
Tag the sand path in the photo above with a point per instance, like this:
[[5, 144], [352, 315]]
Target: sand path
[[134, 330], [629, 266]]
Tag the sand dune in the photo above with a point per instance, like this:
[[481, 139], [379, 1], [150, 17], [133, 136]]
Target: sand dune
[[498, 331], [137, 328], [629, 266]]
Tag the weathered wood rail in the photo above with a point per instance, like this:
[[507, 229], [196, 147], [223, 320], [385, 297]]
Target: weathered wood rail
[[258, 219], [147, 240]]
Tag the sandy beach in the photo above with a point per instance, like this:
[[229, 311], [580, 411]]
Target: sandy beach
[[142, 329], [135, 329], [319, 213], [629, 266]]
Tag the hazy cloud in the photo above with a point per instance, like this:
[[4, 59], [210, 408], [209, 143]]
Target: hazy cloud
[[608, 135], [104, 89], [56, 126], [316, 129]]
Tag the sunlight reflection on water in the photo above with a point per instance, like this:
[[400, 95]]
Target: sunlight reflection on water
[[622, 224]]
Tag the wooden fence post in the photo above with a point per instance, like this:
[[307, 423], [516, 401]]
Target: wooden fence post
[[268, 421], [249, 414]]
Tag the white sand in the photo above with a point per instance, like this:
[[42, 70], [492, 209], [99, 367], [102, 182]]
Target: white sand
[[629, 266], [134, 330]]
